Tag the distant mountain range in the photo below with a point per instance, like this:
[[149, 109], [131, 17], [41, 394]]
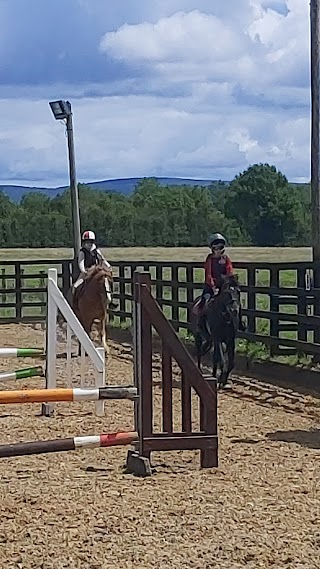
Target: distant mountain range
[[120, 185]]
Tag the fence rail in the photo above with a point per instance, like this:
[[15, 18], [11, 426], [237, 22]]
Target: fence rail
[[23, 289], [281, 301]]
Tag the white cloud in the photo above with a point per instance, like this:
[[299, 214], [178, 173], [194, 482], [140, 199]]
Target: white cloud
[[193, 46], [258, 68], [185, 47], [209, 88], [137, 136], [184, 36], [243, 140]]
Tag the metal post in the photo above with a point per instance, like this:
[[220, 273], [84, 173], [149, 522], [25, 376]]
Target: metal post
[[73, 187], [315, 117], [315, 154]]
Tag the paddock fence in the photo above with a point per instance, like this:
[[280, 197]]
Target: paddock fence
[[281, 301]]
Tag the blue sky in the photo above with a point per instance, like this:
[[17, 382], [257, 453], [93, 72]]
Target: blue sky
[[189, 88]]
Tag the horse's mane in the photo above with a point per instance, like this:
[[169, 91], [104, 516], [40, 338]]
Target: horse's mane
[[96, 271], [231, 280]]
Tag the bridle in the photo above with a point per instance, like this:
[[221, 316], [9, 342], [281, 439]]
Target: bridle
[[229, 296]]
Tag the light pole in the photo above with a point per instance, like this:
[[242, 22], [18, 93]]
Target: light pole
[[315, 117], [62, 111], [315, 152]]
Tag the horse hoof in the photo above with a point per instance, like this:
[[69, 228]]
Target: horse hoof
[[224, 385]]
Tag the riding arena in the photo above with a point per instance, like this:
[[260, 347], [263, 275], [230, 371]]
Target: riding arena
[[135, 458]]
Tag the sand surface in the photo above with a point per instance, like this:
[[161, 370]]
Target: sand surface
[[260, 508]]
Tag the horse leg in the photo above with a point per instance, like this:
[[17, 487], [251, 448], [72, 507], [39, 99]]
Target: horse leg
[[86, 325], [198, 343], [216, 358], [231, 347], [77, 313], [227, 357], [103, 333]]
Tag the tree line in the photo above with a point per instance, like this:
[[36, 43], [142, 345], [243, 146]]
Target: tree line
[[259, 207]]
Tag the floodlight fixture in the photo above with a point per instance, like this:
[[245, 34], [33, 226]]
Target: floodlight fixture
[[60, 109]]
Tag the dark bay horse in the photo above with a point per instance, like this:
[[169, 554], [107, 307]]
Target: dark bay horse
[[90, 301], [217, 327]]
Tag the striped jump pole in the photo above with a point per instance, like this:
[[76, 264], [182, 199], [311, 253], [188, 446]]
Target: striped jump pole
[[76, 394], [20, 352], [75, 443], [22, 373]]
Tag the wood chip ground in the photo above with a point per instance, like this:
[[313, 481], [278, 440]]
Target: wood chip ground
[[78, 510]]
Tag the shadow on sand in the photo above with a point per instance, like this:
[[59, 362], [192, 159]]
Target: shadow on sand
[[308, 439]]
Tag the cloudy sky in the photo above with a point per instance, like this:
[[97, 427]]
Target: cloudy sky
[[188, 88]]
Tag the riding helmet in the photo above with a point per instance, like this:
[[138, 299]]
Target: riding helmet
[[216, 238], [88, 236]]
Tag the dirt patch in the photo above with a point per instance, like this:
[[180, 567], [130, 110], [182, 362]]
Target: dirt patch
[[260, 508]]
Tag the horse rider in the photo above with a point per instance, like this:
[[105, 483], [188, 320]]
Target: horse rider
[[89, 256], [217, 265]]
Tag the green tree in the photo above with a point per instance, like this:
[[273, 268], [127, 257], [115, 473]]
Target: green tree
[[8, 212], [35, 203], [177, 215], [265, 206], [258, 207]]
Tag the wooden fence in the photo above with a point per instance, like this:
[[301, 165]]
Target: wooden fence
[[281, 301], [23, 289]]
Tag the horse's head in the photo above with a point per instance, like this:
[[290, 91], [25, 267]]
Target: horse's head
[[227, 282], [229, 295]]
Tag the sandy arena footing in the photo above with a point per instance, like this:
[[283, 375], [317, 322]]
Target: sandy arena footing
[[260, 508]]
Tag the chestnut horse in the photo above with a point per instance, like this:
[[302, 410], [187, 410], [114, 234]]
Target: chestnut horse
[[90, 302]]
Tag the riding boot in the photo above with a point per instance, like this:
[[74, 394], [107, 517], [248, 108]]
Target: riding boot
[[74, 298], [113, 305], [75, 290], [203, 304]]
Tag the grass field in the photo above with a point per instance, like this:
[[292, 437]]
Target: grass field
[[273, 254]]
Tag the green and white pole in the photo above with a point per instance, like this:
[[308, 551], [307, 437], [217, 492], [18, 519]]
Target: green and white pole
[[22, 373], [20, 352]]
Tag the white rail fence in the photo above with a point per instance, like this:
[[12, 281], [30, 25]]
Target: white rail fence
[[56, 301]]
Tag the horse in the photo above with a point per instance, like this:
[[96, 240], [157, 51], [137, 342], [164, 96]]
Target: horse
[[218, 327], [91, 300]]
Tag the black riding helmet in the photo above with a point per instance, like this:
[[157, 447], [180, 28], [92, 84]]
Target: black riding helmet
[[217, 239]]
